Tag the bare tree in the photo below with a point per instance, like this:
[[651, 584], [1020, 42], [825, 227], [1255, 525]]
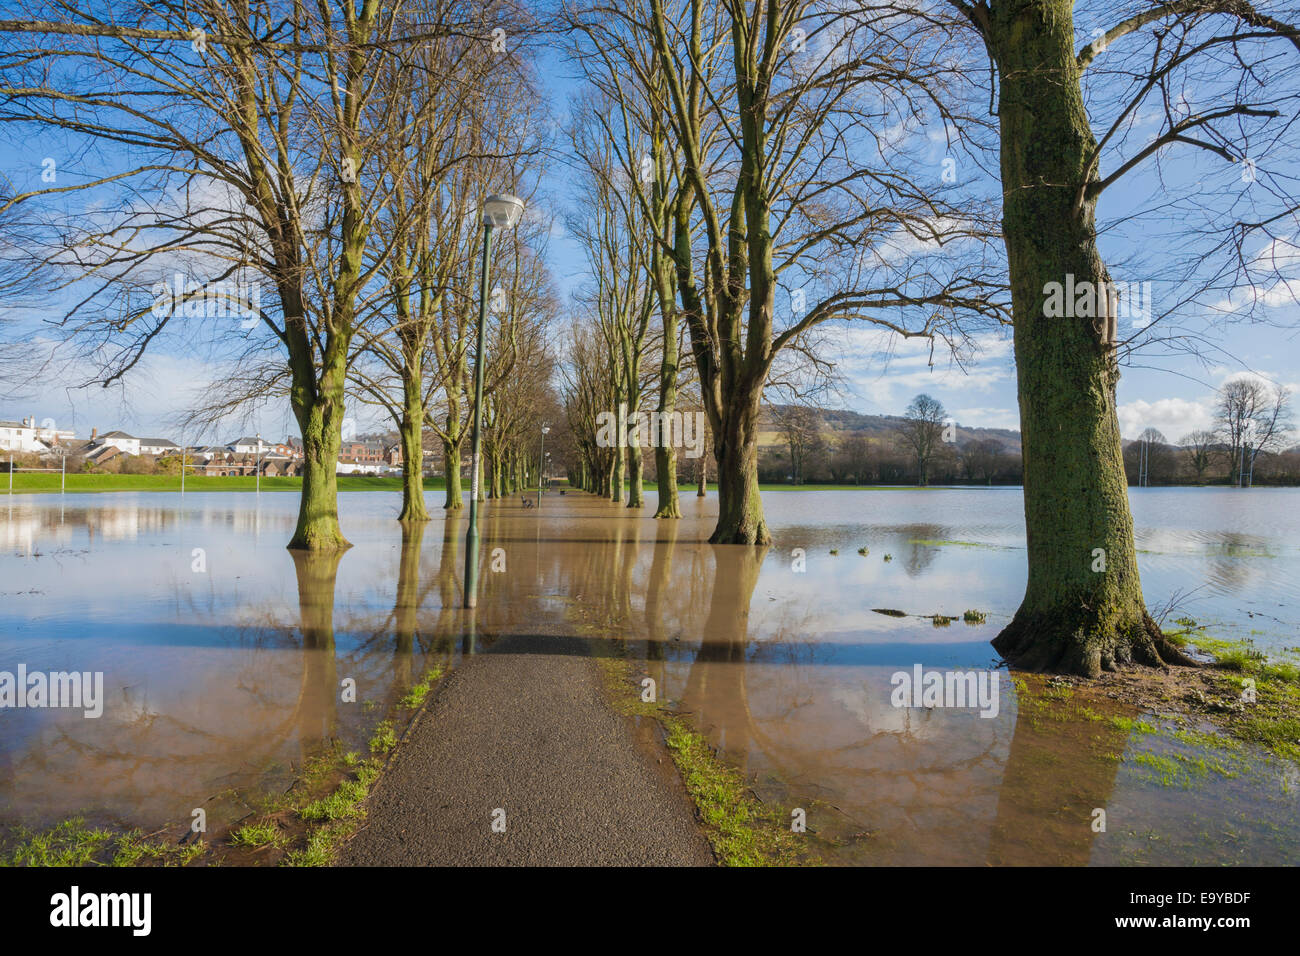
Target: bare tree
[[250, 150], [1250, 416], [921, 432], [791, 182], [801, 427], [1198, 445]]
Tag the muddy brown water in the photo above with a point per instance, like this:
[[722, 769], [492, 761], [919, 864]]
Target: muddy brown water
[[223, 656]]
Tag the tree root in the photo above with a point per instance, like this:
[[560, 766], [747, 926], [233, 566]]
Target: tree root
[[1077, 642]]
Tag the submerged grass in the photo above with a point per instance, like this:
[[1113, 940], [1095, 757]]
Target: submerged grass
[[306, 825], [1262, 691], [73, 843]]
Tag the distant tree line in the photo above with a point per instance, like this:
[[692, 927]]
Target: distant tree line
[[1250, 442]]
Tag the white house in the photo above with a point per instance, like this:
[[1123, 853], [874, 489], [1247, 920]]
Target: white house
[[159, 446], [359, 468], [27, 436], [249, 446], [119, 440], [17, 436]]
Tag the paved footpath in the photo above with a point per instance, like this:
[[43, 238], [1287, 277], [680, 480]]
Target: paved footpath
[[524, 727]]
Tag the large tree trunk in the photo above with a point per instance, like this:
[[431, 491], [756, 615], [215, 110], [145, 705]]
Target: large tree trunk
[[636, 489], [1083, 609], [320, 419], [665, 454], [451, 469], [494, 483], [740, 507], [616, 476], [413, 507], [666, 476]]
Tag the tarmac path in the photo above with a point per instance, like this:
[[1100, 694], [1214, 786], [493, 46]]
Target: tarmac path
[[524, 728]]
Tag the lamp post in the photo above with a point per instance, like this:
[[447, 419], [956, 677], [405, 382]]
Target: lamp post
[[257, 468], [541, 464], [498, 211]]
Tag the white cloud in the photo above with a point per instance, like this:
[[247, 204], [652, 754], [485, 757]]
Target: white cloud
[[1174, 417], [987, 417]]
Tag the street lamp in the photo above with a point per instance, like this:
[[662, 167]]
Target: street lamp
[[503, 212], [257, 468], [541, 464]]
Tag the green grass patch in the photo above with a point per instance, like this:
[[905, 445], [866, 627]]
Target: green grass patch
[[384, 738], [257, 835], [70, 843], [742, 830], [420, 690], [42, 482], [73, 843]]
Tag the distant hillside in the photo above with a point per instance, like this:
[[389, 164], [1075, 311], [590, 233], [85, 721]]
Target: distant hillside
[[842, 423]]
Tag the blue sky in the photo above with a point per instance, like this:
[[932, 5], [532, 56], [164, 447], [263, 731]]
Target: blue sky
[[1159, 388]]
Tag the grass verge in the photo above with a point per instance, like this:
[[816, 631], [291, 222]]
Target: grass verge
[[306, 825], [742, 830]]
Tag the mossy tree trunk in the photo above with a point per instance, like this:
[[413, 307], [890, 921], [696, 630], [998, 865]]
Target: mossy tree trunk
[[412, 432], [616, 475], [670, 359], [318, 406], [1083, 610], [451, 469]]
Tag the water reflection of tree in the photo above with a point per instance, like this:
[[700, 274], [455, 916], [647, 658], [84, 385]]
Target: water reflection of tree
[[715, 687], [406, 609], [1061, 767], [1230, 567], [317, 708], [656, 605], [919, 557]]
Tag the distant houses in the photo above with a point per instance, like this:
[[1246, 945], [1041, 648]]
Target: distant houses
[[369, 457], [247, 455], [158, 447]]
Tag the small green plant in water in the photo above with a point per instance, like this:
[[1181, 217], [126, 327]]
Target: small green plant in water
[[256, 835], [384, 739]]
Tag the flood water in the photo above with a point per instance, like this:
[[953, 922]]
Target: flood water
[[223, 655]]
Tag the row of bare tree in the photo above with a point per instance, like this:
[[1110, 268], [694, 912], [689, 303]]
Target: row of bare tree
[[772, 173], [294, 190]]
